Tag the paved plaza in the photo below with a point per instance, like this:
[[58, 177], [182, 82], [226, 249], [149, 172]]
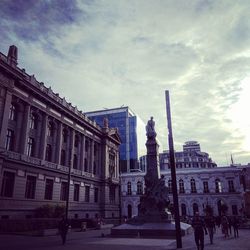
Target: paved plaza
[[99, 240]]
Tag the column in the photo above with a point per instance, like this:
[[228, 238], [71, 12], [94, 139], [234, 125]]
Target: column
[[24, 131], [82, 153], [58, 144], [43, 135], [5, 120], [71, 148], [92, 144]]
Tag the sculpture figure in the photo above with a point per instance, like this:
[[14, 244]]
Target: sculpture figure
[[150, 128]]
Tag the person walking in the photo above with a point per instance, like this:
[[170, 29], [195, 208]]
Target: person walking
[[210, 224], [235, 224], [199, 230], [224, 226], [63, 229]]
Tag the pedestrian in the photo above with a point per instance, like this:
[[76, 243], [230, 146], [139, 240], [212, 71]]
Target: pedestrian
[[218, 221], [224, 226], [210, 224], [63, 229], [199, 230], [235, 224]]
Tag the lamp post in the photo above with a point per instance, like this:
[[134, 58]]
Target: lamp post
[[173, 173]]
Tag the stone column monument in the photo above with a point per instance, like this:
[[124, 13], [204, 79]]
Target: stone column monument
[[153, 219]]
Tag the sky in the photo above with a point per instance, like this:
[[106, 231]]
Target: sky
[[109, 53]]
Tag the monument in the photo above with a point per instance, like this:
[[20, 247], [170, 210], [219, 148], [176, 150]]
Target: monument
[[153, 220]]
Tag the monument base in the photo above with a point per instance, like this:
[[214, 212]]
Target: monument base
[[150, 230]]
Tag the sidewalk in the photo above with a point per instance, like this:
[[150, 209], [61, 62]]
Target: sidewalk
[[94, 240]]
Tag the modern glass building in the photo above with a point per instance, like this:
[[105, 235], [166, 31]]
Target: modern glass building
[[126, 122]]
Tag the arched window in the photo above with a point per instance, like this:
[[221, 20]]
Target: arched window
[[50, 131], [170, 186], [218, 187], [86, 146], [94, 167], [139, 188], [13, 112], [183, 210], [129, 211], [75, 161], [86, 165], [10, 139], [65, 135], [76, 141], [63, 157], [181, 187], [193, 185], [195, 208], [31, 147], [48, 154], [33, 121], [129, 190]]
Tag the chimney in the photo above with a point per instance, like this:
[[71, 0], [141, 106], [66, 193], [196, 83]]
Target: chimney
[[12, 55]]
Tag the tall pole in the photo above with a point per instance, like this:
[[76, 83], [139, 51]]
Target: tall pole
[[173, 173]]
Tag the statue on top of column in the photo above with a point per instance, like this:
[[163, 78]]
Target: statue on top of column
[[150, 128]]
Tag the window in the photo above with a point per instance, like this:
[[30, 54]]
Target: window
[[170, 186], [48, 189], [76, 143], [193, 186], [183, 210], [13, 112], [50, 131], [181, 187], [111, 165], [205, 187], [76, 192], [33, 121], [112, 194], [8, 184], [218, 186], [94, 168], [231, 188], [87, 193], [195, 208], [139, 188], [129, 191], [85, 165], [96, 195], [75, 161], [65, 135], [30, 187], [86, 146], [63, 157], [9, 143], [48, 153], [31, 147], [64, 191]]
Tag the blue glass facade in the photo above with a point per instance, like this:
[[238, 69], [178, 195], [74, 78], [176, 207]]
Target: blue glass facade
[[126, 122]]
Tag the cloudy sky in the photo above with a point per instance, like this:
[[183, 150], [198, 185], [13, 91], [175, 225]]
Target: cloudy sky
[[108, 53]]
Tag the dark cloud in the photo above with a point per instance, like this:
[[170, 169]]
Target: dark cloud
[[31, 20]]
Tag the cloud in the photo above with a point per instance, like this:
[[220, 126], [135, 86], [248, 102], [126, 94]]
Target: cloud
[[109, 53]]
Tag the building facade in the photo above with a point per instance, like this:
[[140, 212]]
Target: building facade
[[44, 142], [196, 189], [126, 122], [200, 182]]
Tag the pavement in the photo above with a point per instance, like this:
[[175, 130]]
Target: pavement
[[101, 240]]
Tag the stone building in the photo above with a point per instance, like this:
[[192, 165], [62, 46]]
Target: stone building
[[44, 140], [199, 182]]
